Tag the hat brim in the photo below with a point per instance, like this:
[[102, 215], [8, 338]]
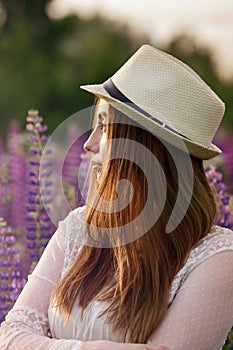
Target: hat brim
[[194, 148]]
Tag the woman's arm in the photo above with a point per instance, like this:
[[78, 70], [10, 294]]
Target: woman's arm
[[201, 314], [108, 345], [26, 325]]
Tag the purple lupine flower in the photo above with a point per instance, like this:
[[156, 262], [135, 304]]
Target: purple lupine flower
[[224, 140], [224, 211], [11, 279], [17, 175], [5, 190], [37, 233]]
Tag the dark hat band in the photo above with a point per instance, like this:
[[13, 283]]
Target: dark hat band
[[114, 92]]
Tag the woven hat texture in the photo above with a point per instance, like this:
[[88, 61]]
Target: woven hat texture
[[166, 97]]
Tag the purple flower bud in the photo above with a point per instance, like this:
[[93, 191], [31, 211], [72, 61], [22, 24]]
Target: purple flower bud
[[31, 236], [11, 239], [34, 200], [31, 208], [4, 275], [31, 200], [33, 191], [33, 150], [45, 208], [29, 218], [45, 235], [34, 255], [14, 295], [4, 287], [5, 263], [12, 250], [33, 182], [44, 244], [44, 227], [42, 128], [30, 127], [6, 229], [16, 274], [226, 200], [45, 218], [2, 251], [17, 263], [34, 162], [45, 138], [2, 317], [38, 119], [3, 298], [37, 200], [33, 174], [31, 245], [4, 307], [47, 151], [31, 228]]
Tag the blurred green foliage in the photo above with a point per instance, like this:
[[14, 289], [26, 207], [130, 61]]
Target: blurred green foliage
[[43, 61]]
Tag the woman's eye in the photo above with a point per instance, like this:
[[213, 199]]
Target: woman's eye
[[102, 126]]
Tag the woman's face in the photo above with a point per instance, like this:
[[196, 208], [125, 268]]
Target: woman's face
[[96, 143]]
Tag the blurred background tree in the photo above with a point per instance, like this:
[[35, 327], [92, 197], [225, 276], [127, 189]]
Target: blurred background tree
[[44, 61]]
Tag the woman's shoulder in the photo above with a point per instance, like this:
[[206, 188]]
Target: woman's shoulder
[[72, 230], [77, 213], [217, 240], [71, 226], [73, 216]]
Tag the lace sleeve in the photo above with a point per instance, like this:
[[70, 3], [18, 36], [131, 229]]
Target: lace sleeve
[[26, 326], [201, 314], [219, 239]]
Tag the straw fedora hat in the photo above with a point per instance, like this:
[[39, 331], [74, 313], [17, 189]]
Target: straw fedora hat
[[166, 97]]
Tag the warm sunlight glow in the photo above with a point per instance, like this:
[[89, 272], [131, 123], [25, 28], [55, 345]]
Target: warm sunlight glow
[[210, 21]]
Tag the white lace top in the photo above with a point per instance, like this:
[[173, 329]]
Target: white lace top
[[201, 299]]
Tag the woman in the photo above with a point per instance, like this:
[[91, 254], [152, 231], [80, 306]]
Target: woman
[[141, 266]]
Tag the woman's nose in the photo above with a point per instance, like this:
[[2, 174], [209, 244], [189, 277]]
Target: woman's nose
[[92, 143]]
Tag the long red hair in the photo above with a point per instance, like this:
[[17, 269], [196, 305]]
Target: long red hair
[[134, 280]]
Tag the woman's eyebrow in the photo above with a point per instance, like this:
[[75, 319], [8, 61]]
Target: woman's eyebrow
[[99, 117], [102, 115]]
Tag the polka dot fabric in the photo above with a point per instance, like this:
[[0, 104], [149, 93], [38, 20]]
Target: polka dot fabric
[[199, 315]]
